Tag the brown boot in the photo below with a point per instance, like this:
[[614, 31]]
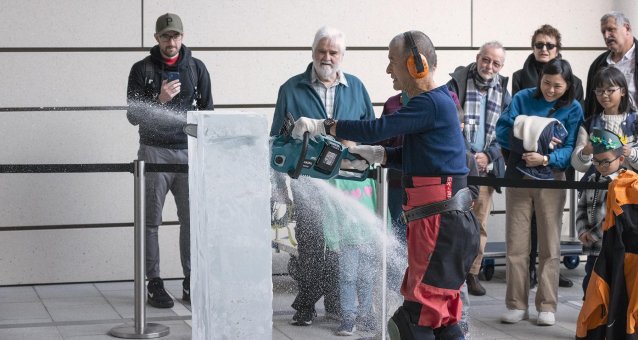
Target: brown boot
[[474, 286]]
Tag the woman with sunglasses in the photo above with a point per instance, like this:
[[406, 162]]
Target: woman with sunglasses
[[552, 98], [618, 116], [546, 45]]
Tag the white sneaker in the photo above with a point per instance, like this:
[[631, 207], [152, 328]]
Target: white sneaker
[[514, 315], [546, 319]]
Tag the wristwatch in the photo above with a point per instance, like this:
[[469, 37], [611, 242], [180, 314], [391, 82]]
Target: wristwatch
[[545, 160], [327, 125]]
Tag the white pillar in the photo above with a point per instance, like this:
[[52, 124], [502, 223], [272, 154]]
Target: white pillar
[[231, 254]]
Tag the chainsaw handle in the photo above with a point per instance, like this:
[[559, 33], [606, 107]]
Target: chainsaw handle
[[302, 157]]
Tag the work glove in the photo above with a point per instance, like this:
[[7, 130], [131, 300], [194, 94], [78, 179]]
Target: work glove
[[313, 126], [371, 154]]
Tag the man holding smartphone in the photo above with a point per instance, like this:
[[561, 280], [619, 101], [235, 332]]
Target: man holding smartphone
[[161, 88]]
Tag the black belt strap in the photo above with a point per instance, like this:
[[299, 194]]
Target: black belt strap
[[462, 201]]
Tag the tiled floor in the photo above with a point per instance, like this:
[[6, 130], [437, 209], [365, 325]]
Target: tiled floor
[[89, 311]]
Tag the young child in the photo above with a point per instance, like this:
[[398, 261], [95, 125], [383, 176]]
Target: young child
[[349, 231], [590, 214], [618, 116]]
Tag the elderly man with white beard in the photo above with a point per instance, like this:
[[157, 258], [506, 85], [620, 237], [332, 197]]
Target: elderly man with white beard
[[323, 91]]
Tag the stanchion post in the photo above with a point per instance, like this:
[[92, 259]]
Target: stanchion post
[[572, 216], [382, 212], [140, 329]]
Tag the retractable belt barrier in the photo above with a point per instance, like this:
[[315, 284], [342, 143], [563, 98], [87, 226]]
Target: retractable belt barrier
[[78, 168], [534, 183], [183, 168]]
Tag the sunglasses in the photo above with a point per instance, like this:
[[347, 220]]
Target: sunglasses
[[549, 46]]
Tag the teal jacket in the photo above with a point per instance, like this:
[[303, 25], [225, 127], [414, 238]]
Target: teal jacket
[[297, 96]]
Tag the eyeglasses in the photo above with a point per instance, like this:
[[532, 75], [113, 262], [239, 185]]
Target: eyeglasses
[[549, 46], [607, 92], [168, 37], [603, 164], [488, 61]]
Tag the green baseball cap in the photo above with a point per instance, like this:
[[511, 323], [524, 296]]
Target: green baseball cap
[[169, 22]]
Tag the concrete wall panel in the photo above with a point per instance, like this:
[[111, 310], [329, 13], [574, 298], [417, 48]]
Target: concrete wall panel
[[514, 22], [71, 23], [294, 23]]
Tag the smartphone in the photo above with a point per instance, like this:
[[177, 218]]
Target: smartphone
[[170, 76], [560, 132]]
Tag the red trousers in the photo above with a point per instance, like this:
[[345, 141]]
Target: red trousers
[[441, 249]]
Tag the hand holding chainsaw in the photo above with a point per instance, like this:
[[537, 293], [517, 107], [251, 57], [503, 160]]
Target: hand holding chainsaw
[[313, 126], [371, 154]]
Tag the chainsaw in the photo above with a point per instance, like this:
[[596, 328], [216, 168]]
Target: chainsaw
[[318, 157]]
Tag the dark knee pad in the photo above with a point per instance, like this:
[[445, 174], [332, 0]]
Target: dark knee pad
[[400, 327], [452, 332]]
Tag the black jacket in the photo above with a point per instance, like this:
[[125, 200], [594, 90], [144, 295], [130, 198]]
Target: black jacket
[[592, 106], [528, 77], [162, 124]]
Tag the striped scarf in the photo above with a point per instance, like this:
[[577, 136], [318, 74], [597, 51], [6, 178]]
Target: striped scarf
[[473, 106]]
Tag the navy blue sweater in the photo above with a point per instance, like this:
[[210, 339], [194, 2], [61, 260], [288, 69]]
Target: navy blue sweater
[[432, 144]]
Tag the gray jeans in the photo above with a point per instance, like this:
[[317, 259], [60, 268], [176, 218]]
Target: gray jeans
[[157, 186]]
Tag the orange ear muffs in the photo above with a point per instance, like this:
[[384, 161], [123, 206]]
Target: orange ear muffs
[[417, 64], [413, 68]]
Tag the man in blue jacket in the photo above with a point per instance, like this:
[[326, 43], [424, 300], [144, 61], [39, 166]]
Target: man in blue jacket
[[323, 91]]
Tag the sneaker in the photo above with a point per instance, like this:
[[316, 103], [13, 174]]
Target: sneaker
[[186, 289], [474, 286], [347, 328], [564, 282], [514, 316], [157, 295], [546, 319], [303, 317], [366, 324]]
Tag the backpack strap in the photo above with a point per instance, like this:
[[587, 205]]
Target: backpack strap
[[192, 67], [149, 72]]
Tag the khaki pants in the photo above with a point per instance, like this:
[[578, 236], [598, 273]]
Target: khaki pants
[[548, 205], [482, 208]]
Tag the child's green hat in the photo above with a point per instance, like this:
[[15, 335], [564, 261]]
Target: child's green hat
[[604, 140]]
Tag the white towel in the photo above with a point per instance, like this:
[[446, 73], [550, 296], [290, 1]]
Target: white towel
[[529, 129]]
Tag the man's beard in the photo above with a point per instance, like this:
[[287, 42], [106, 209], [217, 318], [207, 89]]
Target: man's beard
[[486, 76], [325, 72]]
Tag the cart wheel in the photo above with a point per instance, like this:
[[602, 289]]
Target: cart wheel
[[571, 261], [488, 269]]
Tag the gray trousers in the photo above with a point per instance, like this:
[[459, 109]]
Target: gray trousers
[[158, 185]]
